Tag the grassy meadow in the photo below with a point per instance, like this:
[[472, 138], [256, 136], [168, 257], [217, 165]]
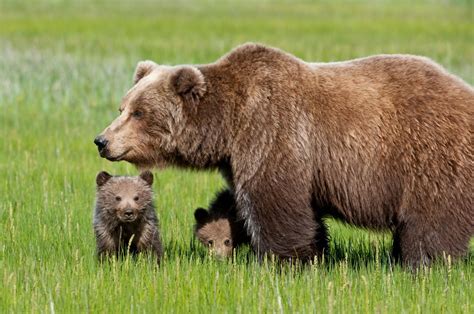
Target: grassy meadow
[[64, 66]]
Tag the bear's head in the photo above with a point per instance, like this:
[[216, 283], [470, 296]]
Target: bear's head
[[124, 199], [214, 232], [152, 113]]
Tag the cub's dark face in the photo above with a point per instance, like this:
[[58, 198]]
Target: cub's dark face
[[152, 113], [214, 233], [125, 198]]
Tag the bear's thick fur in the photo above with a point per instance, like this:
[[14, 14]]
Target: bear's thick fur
[[382, 142]]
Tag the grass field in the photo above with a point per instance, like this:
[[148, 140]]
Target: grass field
[[63, 70]]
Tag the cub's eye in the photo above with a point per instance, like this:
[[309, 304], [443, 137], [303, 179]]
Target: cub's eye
[[118, 198], [227, 242], [136, 198], [137, 114], [210, 242]]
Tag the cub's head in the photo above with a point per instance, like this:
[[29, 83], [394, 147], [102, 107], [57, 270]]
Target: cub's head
[[214, 232], [152, 112], [124, 198]]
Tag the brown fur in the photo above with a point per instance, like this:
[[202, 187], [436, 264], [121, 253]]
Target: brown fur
[[218, 228], [115, 231], [382, 142]]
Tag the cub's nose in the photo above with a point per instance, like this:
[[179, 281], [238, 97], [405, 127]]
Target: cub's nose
[[128, 213], [101, 142]]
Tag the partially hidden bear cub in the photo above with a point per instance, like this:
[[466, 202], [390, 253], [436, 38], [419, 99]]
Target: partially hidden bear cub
[[219, 228], [125, 218]]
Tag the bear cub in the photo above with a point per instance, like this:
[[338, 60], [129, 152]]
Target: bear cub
[[124, 217], [218, 228]]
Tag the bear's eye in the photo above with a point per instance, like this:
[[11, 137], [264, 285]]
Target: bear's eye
[[137, 114], [210, 242], [118, 198], [227, 242], [136, 198]]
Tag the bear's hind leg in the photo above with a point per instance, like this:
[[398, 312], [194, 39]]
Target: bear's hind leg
[[419, 242]]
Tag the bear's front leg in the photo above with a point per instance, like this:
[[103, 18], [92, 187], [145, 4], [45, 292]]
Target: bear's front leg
[[106, 245], [281, 221], [149, 240]]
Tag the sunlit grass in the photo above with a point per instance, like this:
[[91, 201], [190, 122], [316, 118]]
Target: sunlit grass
[[63, 70]]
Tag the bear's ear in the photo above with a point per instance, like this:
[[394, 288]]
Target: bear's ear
[[102, 178], [147, 176], [201, 215], [143, 69], [188, 82]]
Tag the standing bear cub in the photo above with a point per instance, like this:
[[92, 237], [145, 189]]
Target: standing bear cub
[[124, 217], [219, 228], [383, 142]]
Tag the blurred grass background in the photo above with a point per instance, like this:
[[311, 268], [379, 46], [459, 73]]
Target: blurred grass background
[[64, 66]]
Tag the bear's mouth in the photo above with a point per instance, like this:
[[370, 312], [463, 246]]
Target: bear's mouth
[[128, 219], [104, 154]]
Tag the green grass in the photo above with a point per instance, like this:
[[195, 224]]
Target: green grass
[[63, 70]]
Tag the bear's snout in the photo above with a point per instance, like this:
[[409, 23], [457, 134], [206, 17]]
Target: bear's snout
[[101, 142], [127, 215]]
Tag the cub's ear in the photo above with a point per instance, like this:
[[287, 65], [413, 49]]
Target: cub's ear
[[188, 82], [143, 69], [102, 178], [201, 215], [147, 176]]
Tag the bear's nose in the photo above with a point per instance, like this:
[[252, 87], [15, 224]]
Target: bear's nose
[[128, 213], [101, 142]]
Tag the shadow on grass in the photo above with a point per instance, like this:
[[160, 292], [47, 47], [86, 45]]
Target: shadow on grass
[[355, 254]]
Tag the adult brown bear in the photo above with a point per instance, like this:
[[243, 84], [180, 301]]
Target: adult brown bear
[[379, 142]]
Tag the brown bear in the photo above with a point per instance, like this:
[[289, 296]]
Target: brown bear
[[383, 142], [218, 228], [124, 217]]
